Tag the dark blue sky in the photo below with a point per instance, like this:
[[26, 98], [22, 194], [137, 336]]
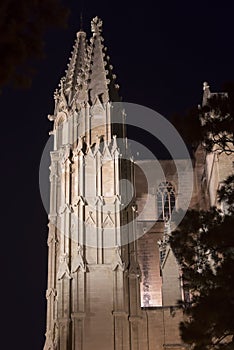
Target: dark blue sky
[[161, 52]]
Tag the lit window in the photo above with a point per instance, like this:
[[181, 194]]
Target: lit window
[[165, 200]]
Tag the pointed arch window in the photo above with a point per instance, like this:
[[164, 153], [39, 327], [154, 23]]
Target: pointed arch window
[[165, 200]]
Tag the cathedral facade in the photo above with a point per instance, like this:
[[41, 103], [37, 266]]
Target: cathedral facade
[[113, 281]]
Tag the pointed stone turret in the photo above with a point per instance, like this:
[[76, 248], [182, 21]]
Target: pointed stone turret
[[206, 93], [89, 75], [75, 81], [90, 83], [101, 79]]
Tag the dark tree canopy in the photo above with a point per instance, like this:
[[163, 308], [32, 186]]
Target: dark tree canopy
[[211, 124], [204, 241], [204, 247], [217, 123], [22, 27]]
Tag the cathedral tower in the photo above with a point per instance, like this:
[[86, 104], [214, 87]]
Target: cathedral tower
[[93, 274], [106, 289]]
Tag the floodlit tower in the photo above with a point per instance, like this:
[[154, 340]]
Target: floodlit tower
[[93, 273]]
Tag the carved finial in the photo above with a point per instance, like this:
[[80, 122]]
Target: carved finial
[[206, 93], [96, 25], [79, 262], [118, 262], [63, 270], [205, 86]]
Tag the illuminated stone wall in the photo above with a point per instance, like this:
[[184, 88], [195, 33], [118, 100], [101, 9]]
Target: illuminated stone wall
[[148, 258]]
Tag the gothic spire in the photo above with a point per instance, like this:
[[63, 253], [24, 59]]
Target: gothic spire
[[89, 74], [206, 93], [101, 79], [76, 74]]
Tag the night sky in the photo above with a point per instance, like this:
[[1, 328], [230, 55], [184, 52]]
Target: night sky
[[162, 52]]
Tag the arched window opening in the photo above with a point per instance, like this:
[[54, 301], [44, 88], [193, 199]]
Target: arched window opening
[[165, 200]]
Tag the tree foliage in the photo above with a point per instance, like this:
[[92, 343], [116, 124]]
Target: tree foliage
[[204, 246], [211, 125], [217, 123], [22, 27]]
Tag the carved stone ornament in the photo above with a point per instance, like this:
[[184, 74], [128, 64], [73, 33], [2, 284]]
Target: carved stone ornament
[[56, 101], [61, 102], [49, 344], [53, 171], [117, 199], [64, 155], [51, 117], [97, 144], [51, 292], [108, 222], [79, 147], [118, 263], [63, 270], [96, 25], [99, 200], [52, 338], [78, 262], [52, 237], [97, 108], [64, 208], [90, 220], [114, 145], [106, 154], [56, 335], [78, 200]]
